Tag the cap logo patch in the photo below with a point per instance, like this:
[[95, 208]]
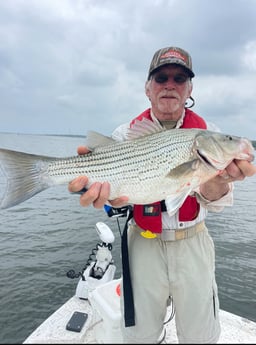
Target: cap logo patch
[[175, 54]]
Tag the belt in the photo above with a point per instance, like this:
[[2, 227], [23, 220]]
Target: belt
[[172, 234]]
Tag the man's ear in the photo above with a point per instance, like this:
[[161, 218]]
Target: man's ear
[[147, 91], [190, 88]]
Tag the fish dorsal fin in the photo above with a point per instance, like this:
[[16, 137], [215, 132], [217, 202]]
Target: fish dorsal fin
[[95, 139], [142, 128]]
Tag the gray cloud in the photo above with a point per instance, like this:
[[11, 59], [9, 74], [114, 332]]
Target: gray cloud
[[68, 66]]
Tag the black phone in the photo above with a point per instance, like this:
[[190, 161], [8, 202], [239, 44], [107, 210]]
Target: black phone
[[77, 321]]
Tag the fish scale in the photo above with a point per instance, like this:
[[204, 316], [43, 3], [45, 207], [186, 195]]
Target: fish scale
[[105, 163], [149, 167]]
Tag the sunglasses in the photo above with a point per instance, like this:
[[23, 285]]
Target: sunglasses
[[162, 78]]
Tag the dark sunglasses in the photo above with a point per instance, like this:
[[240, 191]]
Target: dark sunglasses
[[162, 78]]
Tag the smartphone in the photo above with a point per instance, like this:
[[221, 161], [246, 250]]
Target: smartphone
[[77, 321]]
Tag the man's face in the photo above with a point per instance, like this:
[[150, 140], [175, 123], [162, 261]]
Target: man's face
[[168, 89]]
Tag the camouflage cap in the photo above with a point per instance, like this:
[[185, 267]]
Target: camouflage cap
[[171, 55]]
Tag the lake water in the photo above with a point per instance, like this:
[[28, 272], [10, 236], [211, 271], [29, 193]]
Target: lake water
[[46, 236]]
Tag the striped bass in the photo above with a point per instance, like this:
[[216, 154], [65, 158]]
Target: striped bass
[[153, 164]]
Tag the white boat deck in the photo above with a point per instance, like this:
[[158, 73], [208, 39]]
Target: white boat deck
[[100, 299], [235, 329]]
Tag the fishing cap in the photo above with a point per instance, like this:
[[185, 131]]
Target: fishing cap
[[171, 55]]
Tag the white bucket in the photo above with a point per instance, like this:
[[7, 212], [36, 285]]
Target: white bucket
[[105, 300]]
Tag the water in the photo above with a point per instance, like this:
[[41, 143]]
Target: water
[[46, 236]]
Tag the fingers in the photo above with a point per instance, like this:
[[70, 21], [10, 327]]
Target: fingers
[[97, 195], [238, 170], [247, 168], [77, 184], [119, 202], [82, 150]]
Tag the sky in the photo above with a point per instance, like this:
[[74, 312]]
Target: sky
[[70, 66]]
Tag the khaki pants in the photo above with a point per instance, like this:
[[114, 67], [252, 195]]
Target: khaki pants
[[183, 269]]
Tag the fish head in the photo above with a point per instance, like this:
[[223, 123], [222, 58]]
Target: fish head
[[218, 150]]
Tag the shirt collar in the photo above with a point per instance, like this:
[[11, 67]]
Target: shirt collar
[[179, 122]]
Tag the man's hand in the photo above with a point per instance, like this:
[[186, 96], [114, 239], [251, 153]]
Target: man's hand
[[217, 187], [98, 193], [239, 169]]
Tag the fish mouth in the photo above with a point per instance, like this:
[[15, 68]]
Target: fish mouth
[[204, 159]]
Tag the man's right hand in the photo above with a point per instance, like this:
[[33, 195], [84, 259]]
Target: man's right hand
[[98, 193]]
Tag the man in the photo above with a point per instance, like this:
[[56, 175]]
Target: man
[[178, 258]]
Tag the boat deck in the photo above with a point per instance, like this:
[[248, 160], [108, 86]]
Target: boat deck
[[235, 329]]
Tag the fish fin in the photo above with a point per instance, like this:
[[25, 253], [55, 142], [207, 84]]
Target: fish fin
[[24, 176], [185, 169], [173, 203], [143, 128], [95, 139]]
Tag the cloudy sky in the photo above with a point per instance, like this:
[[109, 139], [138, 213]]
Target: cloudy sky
[[68, 66]]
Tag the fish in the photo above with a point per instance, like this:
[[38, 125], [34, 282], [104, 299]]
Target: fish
[[153, 164]]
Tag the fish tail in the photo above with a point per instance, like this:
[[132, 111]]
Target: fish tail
[[25, 174]]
